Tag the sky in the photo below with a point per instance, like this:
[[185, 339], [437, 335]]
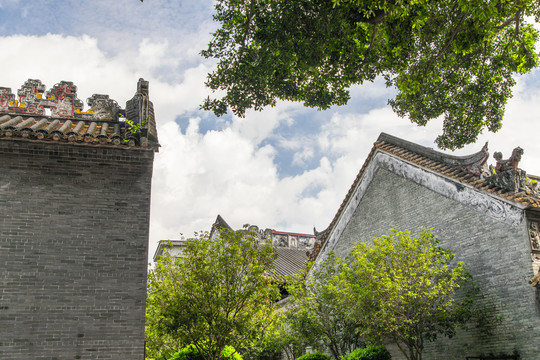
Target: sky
[[287, 167]]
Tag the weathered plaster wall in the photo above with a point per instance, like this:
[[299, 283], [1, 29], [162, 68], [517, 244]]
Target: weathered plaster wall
[[73, 251], [496, 252]]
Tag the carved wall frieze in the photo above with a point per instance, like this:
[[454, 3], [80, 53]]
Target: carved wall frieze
[[493, 207], [534, 234], [534, 238]]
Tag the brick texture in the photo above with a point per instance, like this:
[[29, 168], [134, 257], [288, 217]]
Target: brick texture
[[73, 250], [498, 255]]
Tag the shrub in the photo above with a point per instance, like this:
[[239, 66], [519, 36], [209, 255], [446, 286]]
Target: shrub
[[314, 356], [369, 353], [190, 352], [228, 351]]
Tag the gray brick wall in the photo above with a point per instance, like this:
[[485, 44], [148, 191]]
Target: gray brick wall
[[73, 250], [497, 254]]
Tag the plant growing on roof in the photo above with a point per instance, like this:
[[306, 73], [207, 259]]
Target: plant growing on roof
[[134, 128]]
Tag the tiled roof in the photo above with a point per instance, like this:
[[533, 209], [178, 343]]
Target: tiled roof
[[58, 116], [165, 244], [458, 168], [470, 170], [221, 223], [289, 260], [291, 233]]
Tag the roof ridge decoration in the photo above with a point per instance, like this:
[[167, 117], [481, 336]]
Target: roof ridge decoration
[[30, 95], [140, 111], [507, 176], [291, 233], [57, 114], [61, 99], [474, 163], [504, 181]]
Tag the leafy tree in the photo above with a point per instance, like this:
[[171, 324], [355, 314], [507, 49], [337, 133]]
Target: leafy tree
[[274, 340], [450, 58], [316, 313], [216, 294], [280, 341], [403, 288]]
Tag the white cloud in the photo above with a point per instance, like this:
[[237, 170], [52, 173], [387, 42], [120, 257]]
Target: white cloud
[[258, 125], [4, 3], [300, 158], [227, 172], [198, 176]]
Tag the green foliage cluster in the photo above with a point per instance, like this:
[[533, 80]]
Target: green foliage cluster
[[403, 287], [217, 294], [190, 352], [317, 314], [314, 356], [395, 287], [455, 59], [280, 340], [369, 353]]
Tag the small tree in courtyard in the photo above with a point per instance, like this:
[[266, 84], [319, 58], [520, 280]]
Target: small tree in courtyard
[[403, 288], [216, 294], [316, 313]]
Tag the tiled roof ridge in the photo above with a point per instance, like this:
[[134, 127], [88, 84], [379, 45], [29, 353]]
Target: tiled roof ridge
[[222, 223], [434, 154], [464, 174], [454, 167], [26, 118], [291, 233], [322, 240]]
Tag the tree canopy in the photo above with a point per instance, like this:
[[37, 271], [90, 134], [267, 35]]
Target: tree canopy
[[316, 312], [404, 288], [216, 294], [454, 59]]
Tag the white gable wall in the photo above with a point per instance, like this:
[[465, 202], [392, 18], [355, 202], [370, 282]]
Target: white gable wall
[[486, 232]]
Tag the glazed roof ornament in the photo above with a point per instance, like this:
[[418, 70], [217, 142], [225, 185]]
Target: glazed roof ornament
[[58, 115], [507, 176]]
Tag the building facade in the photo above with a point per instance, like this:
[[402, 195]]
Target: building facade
[[488, 216], [75, 203], [292, 248]]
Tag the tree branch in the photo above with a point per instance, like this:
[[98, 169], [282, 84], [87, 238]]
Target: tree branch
[[372, 38], [452, 36]]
